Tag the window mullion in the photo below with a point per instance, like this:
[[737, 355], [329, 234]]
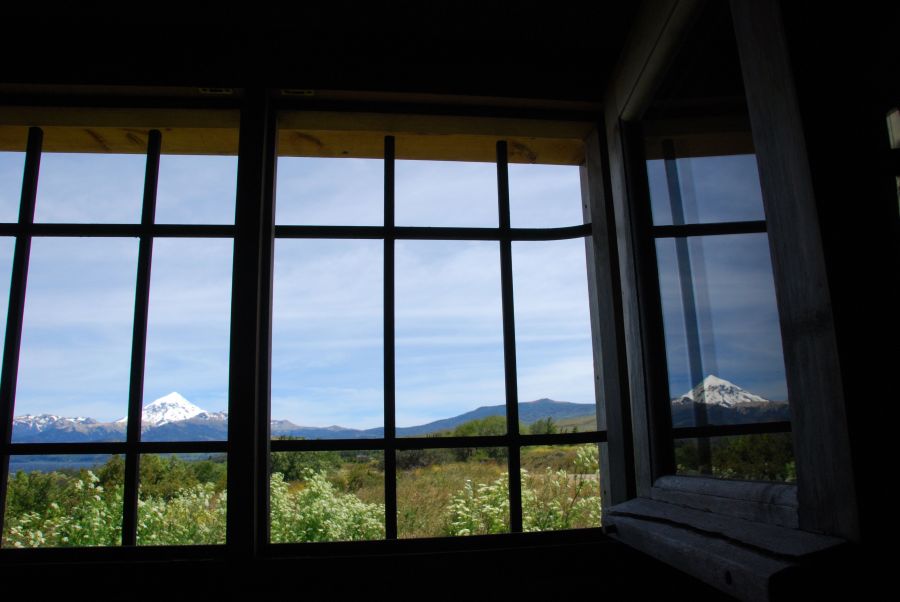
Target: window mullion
[[245, 494], [509, 342], [264, 376], [139, 342]]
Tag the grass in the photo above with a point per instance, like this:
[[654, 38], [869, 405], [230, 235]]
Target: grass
[[423, 492]]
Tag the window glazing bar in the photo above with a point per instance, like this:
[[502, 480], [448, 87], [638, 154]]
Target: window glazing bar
[[407, 443], [509, 342], [139, 341], [16, 308], [689, 304], [390, 420], [117, 447], [714, 229], [730, 430], [429, 233], [128, 230]]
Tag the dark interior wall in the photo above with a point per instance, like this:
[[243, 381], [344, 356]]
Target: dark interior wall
[[847, 75], [605, 570], [529, 50], [847, 72]]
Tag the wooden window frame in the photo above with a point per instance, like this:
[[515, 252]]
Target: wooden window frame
[[258, 145], [702, 525]]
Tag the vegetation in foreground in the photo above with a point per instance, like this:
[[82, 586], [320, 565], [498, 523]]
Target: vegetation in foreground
[[314, 496], [339, 496], [765, 457]]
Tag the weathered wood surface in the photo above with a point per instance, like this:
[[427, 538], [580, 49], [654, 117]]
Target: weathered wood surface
[[657, 31], [821, 439], [613, 409], [768, 538], [771, 503], [301, 134], [731, 568]]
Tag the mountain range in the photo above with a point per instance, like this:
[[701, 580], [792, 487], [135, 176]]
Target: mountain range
[[174, 418]]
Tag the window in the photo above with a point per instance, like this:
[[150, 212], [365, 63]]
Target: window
[[395, 401], [730, 413], [120, 282], [709, 212], [395, 346]]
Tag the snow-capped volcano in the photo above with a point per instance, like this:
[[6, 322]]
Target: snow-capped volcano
[[718, 391], [169, 408]]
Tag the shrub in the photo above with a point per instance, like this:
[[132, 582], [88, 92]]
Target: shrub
[[551, 500], [318, 512]]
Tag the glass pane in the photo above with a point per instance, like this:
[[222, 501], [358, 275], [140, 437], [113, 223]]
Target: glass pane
[[721, 326], [182, 499], [449, 492], [12, 167], [328, 339], [709, 189], [449, 335], [330, 192], [560, 487], [188, 338], [7, 250], [75, 362], [544, 196], [554, 357], [81, 187], [196, 189], [767, 457], [327, 496], [446, 193], [63, 501]]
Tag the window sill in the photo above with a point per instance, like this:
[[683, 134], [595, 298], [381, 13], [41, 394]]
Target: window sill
[[748, 559]]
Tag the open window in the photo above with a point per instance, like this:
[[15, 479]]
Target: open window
[[720, 260]]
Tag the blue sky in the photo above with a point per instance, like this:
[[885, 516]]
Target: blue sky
[[733, 284], [327, 318]]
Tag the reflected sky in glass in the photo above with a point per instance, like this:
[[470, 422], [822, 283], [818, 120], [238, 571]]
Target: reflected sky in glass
[[76, 337], [188, 323], [544, 196], [12, 166], [446, 193], [329, 192], [554, 357], [713, 189], [735, 296], [449, 329], [96, 188], [196, 189], [328, 333], [7, 249]]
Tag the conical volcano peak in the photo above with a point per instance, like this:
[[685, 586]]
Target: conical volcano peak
[[718, 391]]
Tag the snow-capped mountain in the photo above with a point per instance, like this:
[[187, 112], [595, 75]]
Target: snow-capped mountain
[[718, 391], [169, 418], [169, 408], [42, 422], [50, 428], [174, 418], [724, 402]]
